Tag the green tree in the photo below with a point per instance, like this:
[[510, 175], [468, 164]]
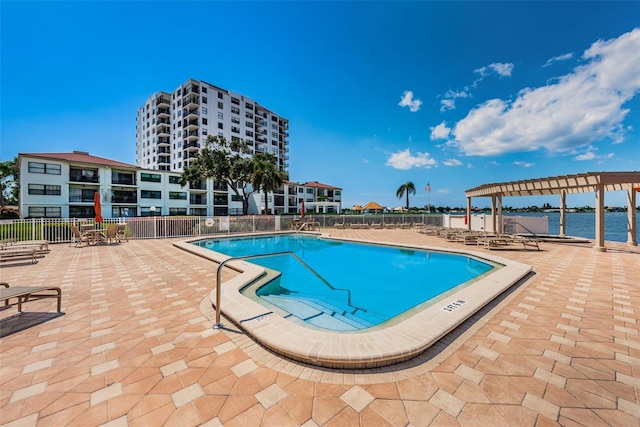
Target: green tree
[[266, 176], [9, 182], [224, 161], [406, 189]]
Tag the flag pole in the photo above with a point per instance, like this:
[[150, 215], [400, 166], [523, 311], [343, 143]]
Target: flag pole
[[428, 188]]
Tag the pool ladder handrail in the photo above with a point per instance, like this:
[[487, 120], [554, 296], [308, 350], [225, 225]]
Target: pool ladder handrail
[[218, 324]]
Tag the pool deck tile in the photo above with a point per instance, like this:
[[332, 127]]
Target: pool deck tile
[[136, 347]]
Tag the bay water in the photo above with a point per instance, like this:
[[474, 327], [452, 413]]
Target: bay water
[[583, 224]]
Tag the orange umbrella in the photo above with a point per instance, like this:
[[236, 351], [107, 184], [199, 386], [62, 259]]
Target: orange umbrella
[[96, 206]]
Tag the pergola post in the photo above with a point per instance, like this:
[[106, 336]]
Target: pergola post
[[599, 246], [563, 212], [500, 220], [468, 218], [631, 217], [494, 229]]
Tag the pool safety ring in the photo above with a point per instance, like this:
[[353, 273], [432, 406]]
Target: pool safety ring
[[209, 222]]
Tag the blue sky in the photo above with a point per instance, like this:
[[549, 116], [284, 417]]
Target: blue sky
[[456, 94]]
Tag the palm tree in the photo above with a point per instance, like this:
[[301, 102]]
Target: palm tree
[[266, 176], [405, 189]]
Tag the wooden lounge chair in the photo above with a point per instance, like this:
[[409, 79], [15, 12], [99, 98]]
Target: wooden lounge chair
[[12, 253], [41, 246], [25, 294], [338, 225]]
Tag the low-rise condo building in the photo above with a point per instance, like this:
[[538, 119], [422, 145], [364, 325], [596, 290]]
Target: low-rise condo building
[[62, 185]]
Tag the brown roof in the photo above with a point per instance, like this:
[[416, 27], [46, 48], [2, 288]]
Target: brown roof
[[80, 157], [320, 185]]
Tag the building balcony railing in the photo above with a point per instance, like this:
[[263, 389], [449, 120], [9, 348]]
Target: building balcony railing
[[162, 100], [197, 200], [80, 199], [77, 177], [124, 199], [164, 141], [197, 185]]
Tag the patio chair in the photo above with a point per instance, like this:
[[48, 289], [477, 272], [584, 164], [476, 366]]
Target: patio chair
[[111, 234], [122, 233], [78, 237]]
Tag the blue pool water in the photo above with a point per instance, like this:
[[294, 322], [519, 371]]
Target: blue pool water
[[352, 286]]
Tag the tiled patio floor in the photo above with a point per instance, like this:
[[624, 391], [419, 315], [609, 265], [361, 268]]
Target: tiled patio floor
[[135, 347]]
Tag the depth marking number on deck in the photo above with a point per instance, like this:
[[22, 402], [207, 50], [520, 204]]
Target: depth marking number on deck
[[453, 305]]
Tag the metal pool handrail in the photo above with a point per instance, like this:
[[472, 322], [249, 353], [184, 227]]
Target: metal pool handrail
[[218, 324]]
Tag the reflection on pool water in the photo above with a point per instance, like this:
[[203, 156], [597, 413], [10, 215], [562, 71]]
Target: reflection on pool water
[[347, 286]]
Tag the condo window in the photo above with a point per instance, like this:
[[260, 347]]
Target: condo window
[[204, 99], [174, 179], [220, 115], [220, 96], [220, 126], [45, 212], [46, 168], [44, 189], [177, 195], [148, 194], [249, 106], [204, 89], [204, 110], [220, 105], [177, 211], [235, 101], [235, 110], [150, 177]]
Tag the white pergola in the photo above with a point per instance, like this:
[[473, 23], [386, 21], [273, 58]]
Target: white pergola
[[589, 182]]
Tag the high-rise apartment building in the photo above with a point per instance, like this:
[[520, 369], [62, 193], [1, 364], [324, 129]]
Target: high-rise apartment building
[[172, 127]]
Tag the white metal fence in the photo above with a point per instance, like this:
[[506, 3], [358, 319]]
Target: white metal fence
[[57, 230]]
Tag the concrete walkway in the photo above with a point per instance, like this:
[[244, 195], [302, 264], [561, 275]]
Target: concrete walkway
[[135, 347]]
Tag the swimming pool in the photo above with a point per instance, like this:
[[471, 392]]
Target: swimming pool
[[347, 286], [391, 342]]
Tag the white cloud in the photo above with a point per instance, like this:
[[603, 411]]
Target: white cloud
[[407, 101], [502, 69], [452, 162], [589, 155], [583, 107], [558, 58], [447, 104], [440, 132], [405, 160], [523, 164]]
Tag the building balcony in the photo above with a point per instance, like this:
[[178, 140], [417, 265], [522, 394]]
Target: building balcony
[[198, 186], [164, 152], [163, 142], [163, 113], [190, 124], [197, 200], [191, 114], [192, 88], [191, 146], [219, 201], [192, 136], [163, 101], [190, 102]]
